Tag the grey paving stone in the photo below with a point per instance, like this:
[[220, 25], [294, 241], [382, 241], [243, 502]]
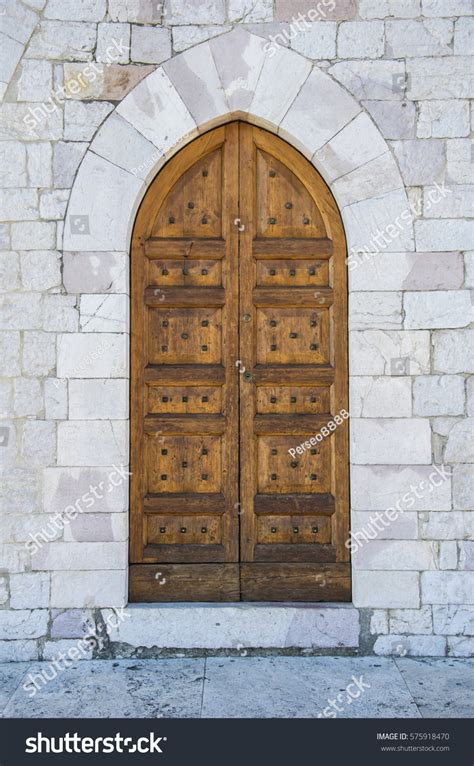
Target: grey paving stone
[[300, 687], [11, 675], [170, 688], [442, 688]]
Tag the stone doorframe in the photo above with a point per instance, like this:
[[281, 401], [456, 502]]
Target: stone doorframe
[[233, 76]]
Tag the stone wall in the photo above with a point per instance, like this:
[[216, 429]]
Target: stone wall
[[64, 311]]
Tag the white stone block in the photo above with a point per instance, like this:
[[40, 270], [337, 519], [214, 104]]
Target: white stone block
[[13, 164], [84, 556], [459, 646], [100, 272], [87, 10], [453, 351], [89, 490], [380, 397], [60, 313], [463, 36], [39, 352], [150, 45], [376, 488], [20, 311], [411, 621], [379, 352], [421, 162], [104, 313], [379, 622], [463, 487], [408, 271], [18, 22], [53, 203], [447, 588], [29, 122], [55, 399], [459, 154], [380, 224], [101, 222], [381, 80], [281, 78], [388, 555], [443, 119], [239, 57], [381, 175], [92, 355], [387, 590], [366, 524], [390, 441], [81, 118], [35, 81], [89, 589], [40, 269], [395, 119], [156, 110], [124, 146], [410, 646], [9, 271], [33, 235], [23, 623], [29, 590], [28, 397], [309, 129], [438, 395], [113, 42], [187, 36], [196, 12], [39, 163], [460, 445], [380, 310], [453, 620], [458, 202], [456, 8], [194, 76], [431, 37], [247, 11], [19, 204], [337, 157], [39, 442], [361, 40], [448, 555], [18, 651], [98, 399], [136, 10], [316, 41], [95, 527], [214, 626], [437, 309], [445, 526], [92, 443], [63, 40], [439, 78], [379, 9]]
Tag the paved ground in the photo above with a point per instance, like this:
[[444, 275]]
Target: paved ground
[[241, 687]]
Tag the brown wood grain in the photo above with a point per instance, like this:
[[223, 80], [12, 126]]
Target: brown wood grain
[[239, 353]]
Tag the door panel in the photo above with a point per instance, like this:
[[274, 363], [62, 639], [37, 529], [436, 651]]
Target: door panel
[[238, 356], [296, 334]]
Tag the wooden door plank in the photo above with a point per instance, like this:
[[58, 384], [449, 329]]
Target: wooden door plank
[[184, 582], [295, 582]]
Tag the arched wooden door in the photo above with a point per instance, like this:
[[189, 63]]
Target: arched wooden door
[[239, 359]]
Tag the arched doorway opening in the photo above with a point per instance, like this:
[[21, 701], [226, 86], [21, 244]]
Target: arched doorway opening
[[239, 446]]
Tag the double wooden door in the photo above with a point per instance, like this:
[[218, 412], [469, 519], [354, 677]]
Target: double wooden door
[[238, 361]]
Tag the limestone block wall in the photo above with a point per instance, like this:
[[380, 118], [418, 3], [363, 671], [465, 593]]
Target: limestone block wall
[[95, 96]]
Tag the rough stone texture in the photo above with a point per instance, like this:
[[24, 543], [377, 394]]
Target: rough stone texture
[[74, 171]]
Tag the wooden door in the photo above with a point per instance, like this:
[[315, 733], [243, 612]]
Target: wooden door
[[238, 356]]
